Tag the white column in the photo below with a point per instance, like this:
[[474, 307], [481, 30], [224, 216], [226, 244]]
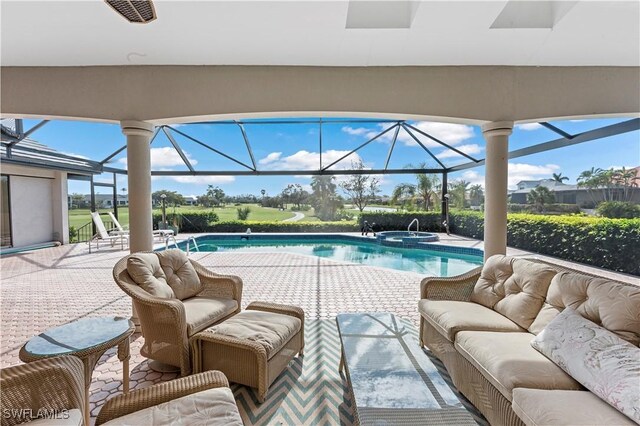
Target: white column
[[496, 135], [139, 178], [60, 208]]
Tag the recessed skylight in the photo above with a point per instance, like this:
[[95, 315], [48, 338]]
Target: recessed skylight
[[532, 14], [397, 14]]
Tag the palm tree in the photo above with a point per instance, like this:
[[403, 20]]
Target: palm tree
[[324, 198], [476, 194], [458, 191], [539, 196], [628, 178], [559, 178], [590, 179], [423, 192]]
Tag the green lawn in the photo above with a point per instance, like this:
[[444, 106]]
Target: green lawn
[[79, 217]]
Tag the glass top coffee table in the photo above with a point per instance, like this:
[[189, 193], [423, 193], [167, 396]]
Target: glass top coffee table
[[392, 380], [87, 339]]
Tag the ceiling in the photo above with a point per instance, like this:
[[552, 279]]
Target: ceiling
[[66, 33]]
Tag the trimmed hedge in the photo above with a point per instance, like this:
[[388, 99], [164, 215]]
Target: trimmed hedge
[[189, 222], [257, 226], [389, 221], [607, 243], [549, 208], [618, 210]]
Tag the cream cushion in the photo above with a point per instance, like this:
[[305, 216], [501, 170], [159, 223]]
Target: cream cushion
[[202, 311], [74, 418], [145, 270], [269, 329], [537, 407], [181, 275], [516, 288], [508, 361], [601, 361], [450, 317], [612, 304], [213, 407]]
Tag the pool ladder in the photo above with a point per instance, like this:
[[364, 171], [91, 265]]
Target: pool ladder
[[417, 222], [195, 244], [169, 238]]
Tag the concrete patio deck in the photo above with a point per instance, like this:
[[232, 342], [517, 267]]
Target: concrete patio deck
[[50, 287]]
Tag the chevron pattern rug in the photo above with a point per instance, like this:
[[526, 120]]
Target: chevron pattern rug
[[312, 391]]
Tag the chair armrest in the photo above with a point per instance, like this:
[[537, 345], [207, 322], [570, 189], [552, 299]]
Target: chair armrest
[[227, 286], [458, 288], [47, 384], [137, 400], [277, 308]]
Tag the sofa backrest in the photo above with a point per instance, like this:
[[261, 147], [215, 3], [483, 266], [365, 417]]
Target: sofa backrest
[[610, 304], [515, 288]]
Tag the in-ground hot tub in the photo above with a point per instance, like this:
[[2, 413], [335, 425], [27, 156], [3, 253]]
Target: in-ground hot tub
[[405, 237]]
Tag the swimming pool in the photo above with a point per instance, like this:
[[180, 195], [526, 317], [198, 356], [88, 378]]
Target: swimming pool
[[426, 259]]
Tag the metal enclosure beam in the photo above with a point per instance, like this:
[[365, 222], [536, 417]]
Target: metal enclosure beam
[[602, 132], [181, 153], [361, 146]]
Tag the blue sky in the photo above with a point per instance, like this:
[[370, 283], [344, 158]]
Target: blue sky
[[295, 147]]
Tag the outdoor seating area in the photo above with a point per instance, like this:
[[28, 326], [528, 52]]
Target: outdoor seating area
[[322, 342], [301, 213]]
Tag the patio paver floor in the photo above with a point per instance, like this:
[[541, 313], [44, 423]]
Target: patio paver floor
[[50, 287]]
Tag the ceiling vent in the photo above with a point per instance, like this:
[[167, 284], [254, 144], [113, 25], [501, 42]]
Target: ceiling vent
[[136, 11]]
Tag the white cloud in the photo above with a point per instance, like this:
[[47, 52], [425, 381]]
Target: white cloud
[[473, 177], [529, 126], [517, 172], [165, 157], [452, 134], [469, 149], [201, 180], [356, 131], [524, 171], [274, 156], [305, 160]]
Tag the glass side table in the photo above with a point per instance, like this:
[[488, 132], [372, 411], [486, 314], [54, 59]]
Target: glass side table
[[87, 339]]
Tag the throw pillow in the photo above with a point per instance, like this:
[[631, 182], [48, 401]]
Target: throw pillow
[[145, 270], [181, 275], [600, 360]]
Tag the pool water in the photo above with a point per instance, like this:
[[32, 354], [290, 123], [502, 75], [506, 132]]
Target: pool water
[[425, 262]]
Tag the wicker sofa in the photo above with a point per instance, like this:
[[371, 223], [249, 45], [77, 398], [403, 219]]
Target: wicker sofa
[[480, 325], [51, 391], [175, 298]]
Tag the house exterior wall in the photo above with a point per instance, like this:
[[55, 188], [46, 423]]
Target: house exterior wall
[[38, 201]]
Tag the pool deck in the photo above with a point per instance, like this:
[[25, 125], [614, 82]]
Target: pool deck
[[50, 287]]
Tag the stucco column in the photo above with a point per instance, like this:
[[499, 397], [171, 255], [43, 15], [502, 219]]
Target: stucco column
[[139, 178], [60, 208], [496, 135]]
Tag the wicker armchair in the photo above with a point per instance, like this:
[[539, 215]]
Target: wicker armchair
[[142, 399], [167, 324], [48, 387]]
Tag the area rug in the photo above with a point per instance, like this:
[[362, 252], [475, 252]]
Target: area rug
[[312, 391]]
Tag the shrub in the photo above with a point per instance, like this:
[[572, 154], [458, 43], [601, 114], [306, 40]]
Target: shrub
[[243, 213], [549, 208], [73, 233], [257, 226], [618, 210], [390, 221], [189, 222], [607, 243]]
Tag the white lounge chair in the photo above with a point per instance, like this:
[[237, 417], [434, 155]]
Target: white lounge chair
[[158, 233], [103, 234]]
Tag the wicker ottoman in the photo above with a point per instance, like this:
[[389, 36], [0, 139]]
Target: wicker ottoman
[[253, 347]]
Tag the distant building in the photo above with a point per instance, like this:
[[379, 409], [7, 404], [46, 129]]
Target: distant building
[[569, 194], [190, 200]]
